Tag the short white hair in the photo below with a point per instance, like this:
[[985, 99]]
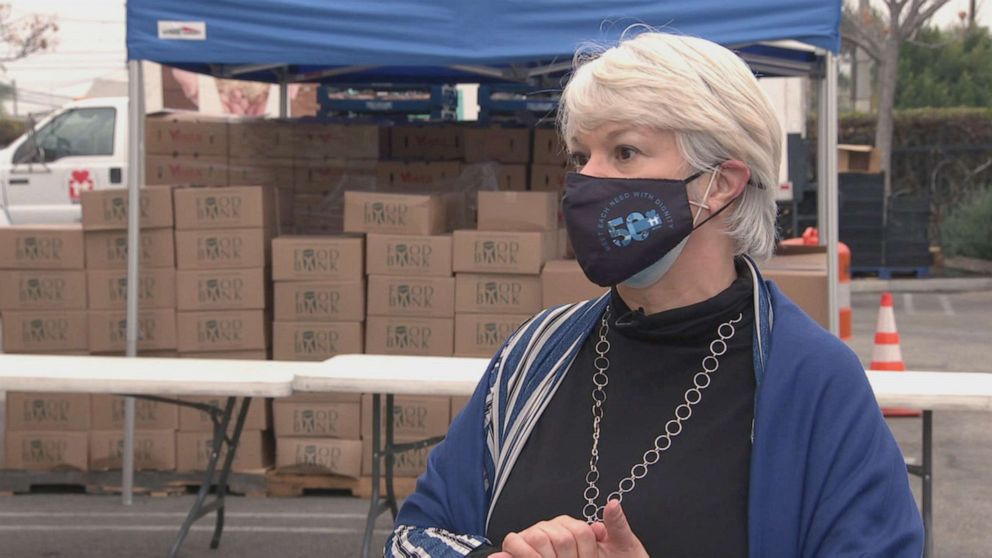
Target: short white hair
[[700, 91]]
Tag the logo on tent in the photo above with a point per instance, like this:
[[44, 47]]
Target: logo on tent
[[182, 30]]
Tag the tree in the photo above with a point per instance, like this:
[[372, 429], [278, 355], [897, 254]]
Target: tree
[[951, 68], [881, 35], [24, 36]]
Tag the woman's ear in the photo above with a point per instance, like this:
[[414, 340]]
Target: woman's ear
[[733, 178]]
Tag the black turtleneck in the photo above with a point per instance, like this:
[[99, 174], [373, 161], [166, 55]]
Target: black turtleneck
[[694, 500]]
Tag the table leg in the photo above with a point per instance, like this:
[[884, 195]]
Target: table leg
[[390, 457], [198, 509], [225, 472], [928, 483], [375, 506]]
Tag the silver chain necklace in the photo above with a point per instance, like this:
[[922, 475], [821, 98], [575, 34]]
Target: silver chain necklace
[[701, 380]]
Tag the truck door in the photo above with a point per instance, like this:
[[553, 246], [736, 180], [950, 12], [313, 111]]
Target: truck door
[[72, 153]]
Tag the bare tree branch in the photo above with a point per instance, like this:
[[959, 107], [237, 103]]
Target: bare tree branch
[[26, 35], [856, 28], [861, 45], [917, 18]]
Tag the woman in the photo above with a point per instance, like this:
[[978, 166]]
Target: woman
[[692, 410]]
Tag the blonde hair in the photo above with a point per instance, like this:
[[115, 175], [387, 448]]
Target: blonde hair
[[700, 91]]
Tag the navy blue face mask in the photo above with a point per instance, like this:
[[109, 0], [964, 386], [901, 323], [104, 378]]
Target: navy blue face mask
[[620, 227]]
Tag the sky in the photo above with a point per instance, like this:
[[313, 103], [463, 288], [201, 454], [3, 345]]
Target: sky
[[91, 44]]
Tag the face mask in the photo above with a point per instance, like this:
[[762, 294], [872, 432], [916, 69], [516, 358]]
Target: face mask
[[629, 230]]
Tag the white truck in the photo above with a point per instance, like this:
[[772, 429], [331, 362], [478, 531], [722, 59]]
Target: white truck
[[81, 146]]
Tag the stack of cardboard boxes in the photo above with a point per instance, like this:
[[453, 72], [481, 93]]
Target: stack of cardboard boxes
[[105, 218], [195, 437], [223, 252], [186, 149], [319, 296], [47, 431], [155, 426], [498, 267], [549, 163], [319, 433]]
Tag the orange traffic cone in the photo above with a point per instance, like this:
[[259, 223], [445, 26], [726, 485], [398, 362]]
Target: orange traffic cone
[[887, 356]]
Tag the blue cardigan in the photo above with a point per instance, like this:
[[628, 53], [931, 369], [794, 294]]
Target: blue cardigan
[[827, 478]]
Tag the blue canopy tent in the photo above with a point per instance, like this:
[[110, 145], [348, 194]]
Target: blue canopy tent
[[362, 41]]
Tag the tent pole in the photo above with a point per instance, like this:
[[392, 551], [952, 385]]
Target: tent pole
[[135, 171], [283, 98], [827, 183]]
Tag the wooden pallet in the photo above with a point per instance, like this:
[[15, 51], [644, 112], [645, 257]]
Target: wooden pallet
[[155, 483], [287, 483], [887, 272]]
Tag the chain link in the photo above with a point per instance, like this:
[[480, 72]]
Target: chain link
[[683, 412]]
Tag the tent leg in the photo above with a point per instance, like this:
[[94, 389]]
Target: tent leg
[[135, 168], [827, 183]]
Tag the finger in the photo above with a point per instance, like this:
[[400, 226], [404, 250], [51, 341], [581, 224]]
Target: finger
[[562, 541], [515, 545], [582, 532], [501, 555], [539, 541], [599, 530], [617, 528]]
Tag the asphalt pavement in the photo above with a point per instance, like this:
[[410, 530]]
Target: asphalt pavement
[[940, 331]]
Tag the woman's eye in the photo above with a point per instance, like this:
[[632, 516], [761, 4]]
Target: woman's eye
[[625, 153], [579, 160]]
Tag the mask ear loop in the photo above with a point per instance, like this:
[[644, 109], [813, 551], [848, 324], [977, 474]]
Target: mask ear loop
[[706, 195]]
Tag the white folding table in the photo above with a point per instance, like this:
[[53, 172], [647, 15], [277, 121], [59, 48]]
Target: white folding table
[[389, 376], [164, 379]]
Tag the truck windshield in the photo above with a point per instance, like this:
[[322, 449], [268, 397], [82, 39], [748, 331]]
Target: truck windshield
[[74, 133]]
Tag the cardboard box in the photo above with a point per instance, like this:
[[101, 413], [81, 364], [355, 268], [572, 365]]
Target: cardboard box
[[185, 134], [107, 288], [318, 258], [803, 278], [326, 397], [502, 251], [222, 248], [409, 336], [413, 416], [323, 175], [47, 451], [193, 420], [409, 464], [154, 450], [42, 290], [548, 147], [316, 419], [200, 170], [319, 455], [415, 176], [511, 177], [107, 413], [277, 173], [221, 289], [41, 247], [548, 178], [61, 412], [427, 142], [45, 331], [429, 297], [108, 209], [374, 212], [231, 207], [518, 211], [315, 341], [318, 301], [193, 451], [108, 330], [497, 294], [458, 403], [221, 330], [563, 282], [506, 145], [390, 254], [858, 158], [253, 138], [318, 140], [260, 354], [481, 335], [108, 249]]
